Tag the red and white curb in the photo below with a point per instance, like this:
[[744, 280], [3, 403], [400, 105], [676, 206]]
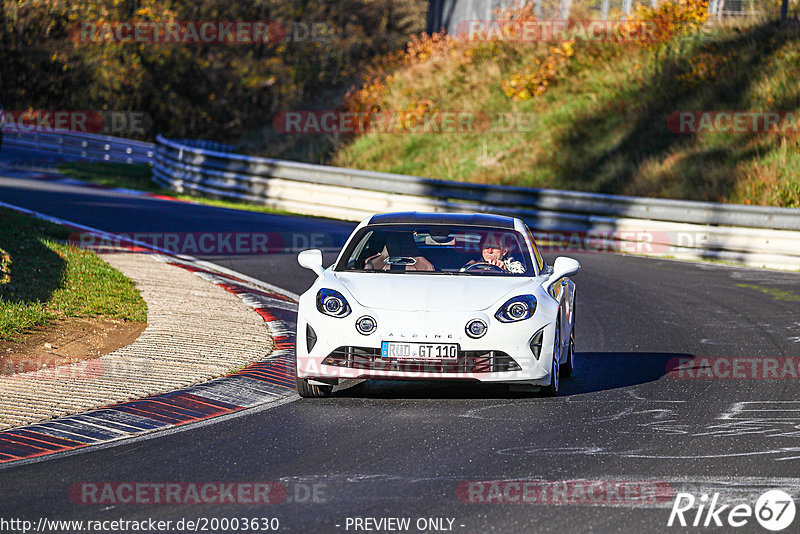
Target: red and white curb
[[267, 381]]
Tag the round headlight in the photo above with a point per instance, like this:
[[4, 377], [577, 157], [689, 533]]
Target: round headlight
[[333, 305], [518, 310], [476, 328], [366, 325]]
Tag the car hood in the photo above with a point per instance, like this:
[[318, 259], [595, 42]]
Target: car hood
[[417, 292]]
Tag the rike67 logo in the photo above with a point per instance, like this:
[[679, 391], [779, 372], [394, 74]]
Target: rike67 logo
[[774, 510]]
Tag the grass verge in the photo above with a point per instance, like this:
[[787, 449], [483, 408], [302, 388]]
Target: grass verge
[[138, 177], [602, 124], [44, 278], [595, 115]]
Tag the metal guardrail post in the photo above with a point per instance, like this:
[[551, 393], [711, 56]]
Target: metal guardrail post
[[758, 235], [245, 170], [82, 146]]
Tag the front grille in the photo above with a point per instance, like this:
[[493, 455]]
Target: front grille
[[468, 361]]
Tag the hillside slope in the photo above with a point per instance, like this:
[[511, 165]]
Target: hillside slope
[[598, 111]]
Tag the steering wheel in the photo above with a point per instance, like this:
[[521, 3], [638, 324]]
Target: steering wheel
[[483, 266]]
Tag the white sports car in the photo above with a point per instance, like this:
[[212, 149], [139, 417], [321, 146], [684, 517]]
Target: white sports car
[[420, 296]]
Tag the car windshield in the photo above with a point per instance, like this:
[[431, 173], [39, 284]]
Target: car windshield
[[438, 249]]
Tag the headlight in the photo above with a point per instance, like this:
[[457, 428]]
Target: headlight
[[476, 328], [333, 303], [366, 325], [517, 309]]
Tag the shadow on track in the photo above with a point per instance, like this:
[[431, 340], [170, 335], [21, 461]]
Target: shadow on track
[[594, 371]]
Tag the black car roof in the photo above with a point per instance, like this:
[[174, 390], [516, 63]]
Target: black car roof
[[462, 219]]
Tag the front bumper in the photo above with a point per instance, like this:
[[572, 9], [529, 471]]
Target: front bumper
[[504, 354]]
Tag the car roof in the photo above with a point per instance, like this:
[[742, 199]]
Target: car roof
[[461, 219]]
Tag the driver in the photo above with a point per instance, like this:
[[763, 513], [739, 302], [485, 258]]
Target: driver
[[494, 253]]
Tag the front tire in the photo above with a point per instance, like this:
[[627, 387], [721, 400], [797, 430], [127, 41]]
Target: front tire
[[311, 391], [568, 366], [551, 390]]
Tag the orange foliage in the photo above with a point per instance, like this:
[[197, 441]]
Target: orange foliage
[[422, 48], [669, 19], [704, 67], [419, 50], [542, 74], [672, 18]]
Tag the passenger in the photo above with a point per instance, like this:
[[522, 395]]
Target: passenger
[[401, 253]]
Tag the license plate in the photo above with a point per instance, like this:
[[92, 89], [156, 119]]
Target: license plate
[[421, 351]]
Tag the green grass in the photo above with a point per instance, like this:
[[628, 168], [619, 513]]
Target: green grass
[[112, 175], [48, 278], [777, 294]]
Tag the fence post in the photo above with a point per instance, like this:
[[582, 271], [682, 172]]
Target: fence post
[[565, 9], [626, 6]]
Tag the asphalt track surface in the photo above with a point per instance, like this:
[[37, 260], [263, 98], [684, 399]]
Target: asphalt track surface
[[402, 449]]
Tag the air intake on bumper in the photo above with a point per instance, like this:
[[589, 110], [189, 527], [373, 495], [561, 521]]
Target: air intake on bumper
[[536, 343], [468, 361]]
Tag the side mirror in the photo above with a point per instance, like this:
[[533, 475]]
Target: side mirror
[[563, 266], [312, 259]]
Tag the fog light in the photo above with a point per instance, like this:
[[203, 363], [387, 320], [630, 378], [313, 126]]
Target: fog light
[[476, 328], [366, 325]]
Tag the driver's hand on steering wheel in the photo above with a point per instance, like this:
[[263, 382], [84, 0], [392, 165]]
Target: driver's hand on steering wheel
[[496, 263]]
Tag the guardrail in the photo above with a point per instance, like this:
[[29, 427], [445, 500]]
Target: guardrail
[[751, 235], [81, 146]]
